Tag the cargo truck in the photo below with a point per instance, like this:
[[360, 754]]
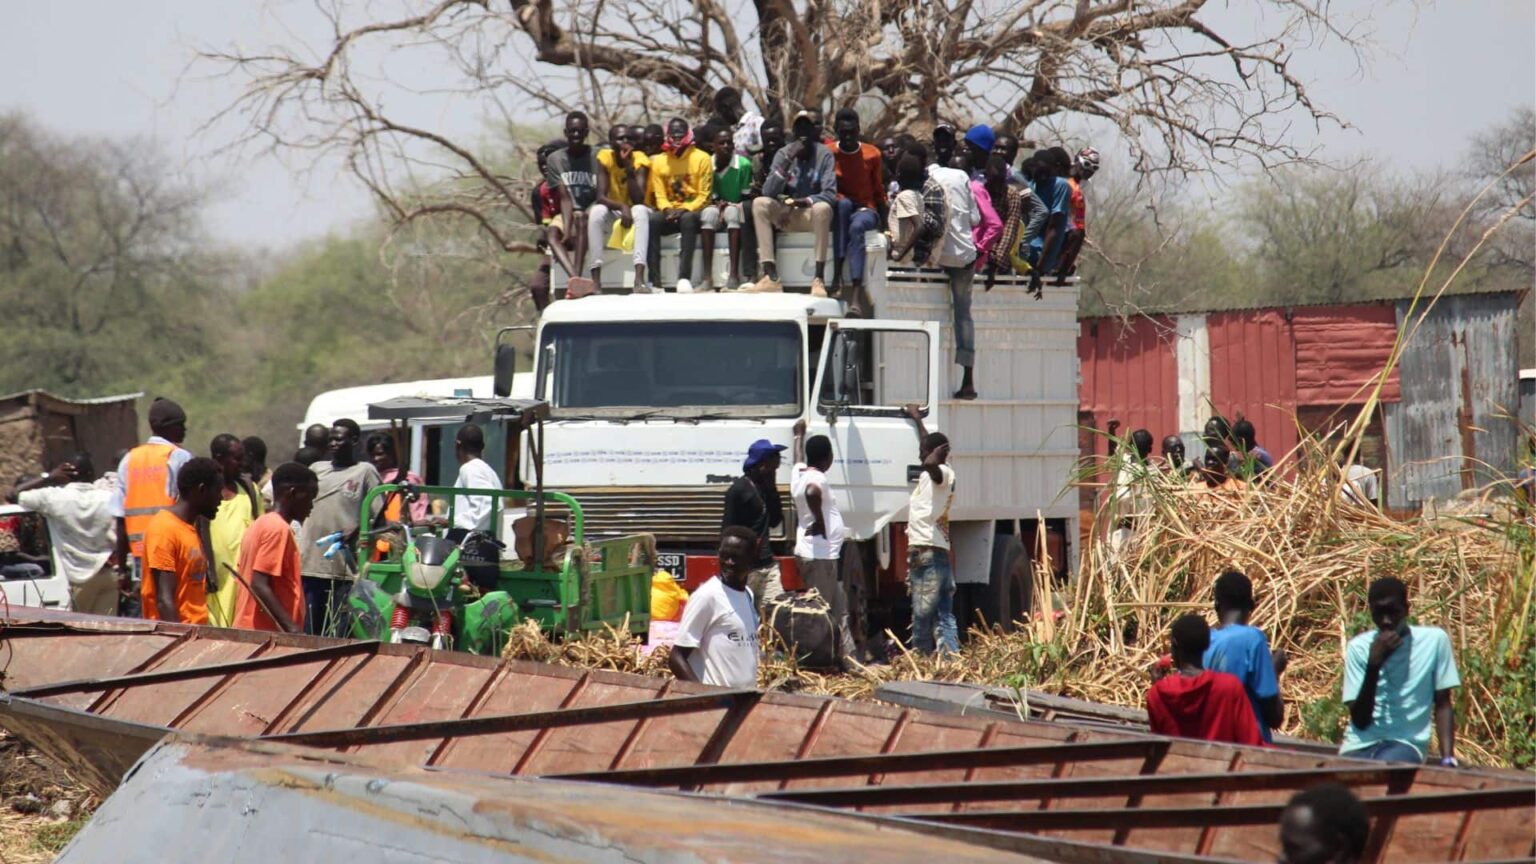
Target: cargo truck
[[655, 398]]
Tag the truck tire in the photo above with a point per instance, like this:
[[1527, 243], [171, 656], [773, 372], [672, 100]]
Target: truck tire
[[1012, 580]]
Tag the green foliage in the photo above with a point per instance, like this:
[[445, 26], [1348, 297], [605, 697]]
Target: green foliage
[[1324, 719], [1506, 689], [54, 837]]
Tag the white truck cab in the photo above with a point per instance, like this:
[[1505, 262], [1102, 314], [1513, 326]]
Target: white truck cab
[[655, 399], [30, 574]]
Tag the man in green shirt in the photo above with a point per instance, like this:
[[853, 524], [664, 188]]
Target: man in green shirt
[[733, 177]]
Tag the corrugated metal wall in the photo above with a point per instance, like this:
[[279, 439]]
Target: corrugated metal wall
[[1341, 348], [1459, 373], [1128, 373], [1253, 373]]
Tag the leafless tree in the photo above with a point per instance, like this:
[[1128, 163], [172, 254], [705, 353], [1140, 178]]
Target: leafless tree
[[1186, 86], [1493, 153]]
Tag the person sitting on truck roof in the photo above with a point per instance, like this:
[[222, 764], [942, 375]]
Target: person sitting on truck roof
[[1007, 146], [1242, 651], [1084, 165], [727, 207], [930, 578], [987, 231], [916, 218], [80, 521], [1188, 700], [957, 258], [473, 512], [573, 171], [753, 502], [717, 638], [681, 180], [861, 204], [1326, 824], [798, 195], [1050, 168], [620, 198], [1022, 216], [941, 147]]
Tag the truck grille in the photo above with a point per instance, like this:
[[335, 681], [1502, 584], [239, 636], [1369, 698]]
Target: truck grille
[[689, 514]]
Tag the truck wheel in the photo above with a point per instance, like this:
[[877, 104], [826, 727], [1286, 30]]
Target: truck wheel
[[1012, 580]]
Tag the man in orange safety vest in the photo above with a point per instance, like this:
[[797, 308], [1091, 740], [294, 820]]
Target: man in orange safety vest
[[147, 484]]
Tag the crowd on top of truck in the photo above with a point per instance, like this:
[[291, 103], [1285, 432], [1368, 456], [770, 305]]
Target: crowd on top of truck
[[961, 203]]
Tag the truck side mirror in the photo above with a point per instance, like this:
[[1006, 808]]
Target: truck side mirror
[[505, 367]]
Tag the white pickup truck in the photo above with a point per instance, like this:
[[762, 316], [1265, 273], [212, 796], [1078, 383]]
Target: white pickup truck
[[30, 574], [655, 399]]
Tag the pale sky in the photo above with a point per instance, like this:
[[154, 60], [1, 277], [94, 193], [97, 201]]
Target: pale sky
[[1439, 72]]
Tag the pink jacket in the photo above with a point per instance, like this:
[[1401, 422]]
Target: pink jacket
[[989, 228]]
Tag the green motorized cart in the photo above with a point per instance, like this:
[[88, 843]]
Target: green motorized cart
[[548, 570], [580, 586]]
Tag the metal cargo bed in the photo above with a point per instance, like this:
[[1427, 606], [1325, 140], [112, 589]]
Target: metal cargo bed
[[97, 693]]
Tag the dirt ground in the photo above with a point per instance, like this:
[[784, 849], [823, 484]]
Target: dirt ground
[[41, 806]]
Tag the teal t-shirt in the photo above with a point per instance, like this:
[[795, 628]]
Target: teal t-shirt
[[1405, 693]]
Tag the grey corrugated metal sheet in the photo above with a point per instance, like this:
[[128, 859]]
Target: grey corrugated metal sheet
[[194, 799], [1459, 375]]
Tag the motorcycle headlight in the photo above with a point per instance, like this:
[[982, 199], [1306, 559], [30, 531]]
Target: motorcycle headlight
[[426, 576]]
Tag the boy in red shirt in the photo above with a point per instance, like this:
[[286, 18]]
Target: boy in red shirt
[[269, 556], [1190, 701]]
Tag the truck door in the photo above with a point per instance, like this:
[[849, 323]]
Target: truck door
[[869, 372]]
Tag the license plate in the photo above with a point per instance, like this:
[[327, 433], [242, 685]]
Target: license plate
[[671, 562]]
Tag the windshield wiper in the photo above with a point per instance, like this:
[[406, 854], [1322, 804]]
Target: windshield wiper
[[622, 421], [659, 414]]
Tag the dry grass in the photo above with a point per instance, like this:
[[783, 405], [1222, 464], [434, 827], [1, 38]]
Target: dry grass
[[1310, 558], [28, 781]]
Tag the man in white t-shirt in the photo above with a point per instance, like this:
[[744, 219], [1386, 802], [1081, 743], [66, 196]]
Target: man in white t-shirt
[[930, 580], [819, 530], [84, 531], [717, 639], [473, 512], [1361, 486]]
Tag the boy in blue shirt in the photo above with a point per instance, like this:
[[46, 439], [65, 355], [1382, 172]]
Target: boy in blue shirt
[[1395, 679], [1242, 651]]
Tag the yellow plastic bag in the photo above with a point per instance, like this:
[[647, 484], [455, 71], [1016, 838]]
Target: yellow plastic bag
[[667, 597], [621, 237]]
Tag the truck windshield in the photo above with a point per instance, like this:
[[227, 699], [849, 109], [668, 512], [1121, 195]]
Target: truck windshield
[[625, 369]]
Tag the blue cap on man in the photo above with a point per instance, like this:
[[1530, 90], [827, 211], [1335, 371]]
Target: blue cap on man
[[981, 136], [760, 450]]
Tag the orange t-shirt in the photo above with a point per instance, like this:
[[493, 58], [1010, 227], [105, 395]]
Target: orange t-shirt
[[173, 545], [269, 547]]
